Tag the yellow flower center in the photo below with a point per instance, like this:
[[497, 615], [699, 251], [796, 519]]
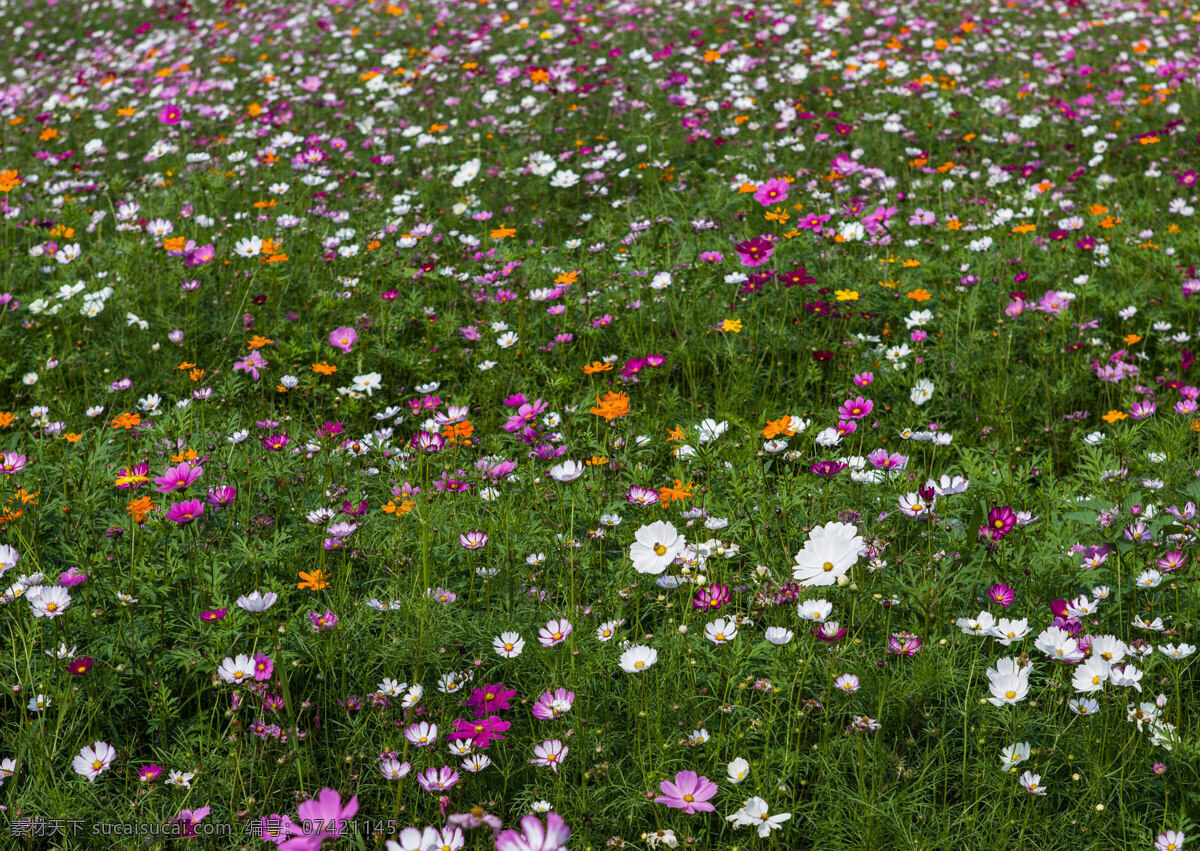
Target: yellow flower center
[[660, 550], [688, 798], [97, 765], [639, 664], [508, 647], [1010, 694], [827, 566]]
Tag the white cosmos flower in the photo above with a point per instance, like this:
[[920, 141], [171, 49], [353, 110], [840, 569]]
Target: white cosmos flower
[[655, 546], [830, 551], [567, 471], [638, 658], [1014, 755]]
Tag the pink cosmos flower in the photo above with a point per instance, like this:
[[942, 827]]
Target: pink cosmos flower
[[438, 780], [178, 477], [321, 818], [690, 792], [263, 667], [554, 632], [534, 837], [185, 512], [251, 364], [343, 338], [188, 819], [549, 754], [774, 191]]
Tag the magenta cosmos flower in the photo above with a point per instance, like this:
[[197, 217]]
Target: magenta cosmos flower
[[534, 837], [170, 114], [185, 512], [323, 817], [774, 191], [690, 792], [754, 252], [856, 408], [343, 338]]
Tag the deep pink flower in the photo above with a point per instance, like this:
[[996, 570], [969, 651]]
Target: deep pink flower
[[690, 792], [711, 597], [754, 252], [856, 408], [490, 698]]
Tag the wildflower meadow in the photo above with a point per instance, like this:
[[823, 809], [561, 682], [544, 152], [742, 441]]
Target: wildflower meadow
[[573, 424]]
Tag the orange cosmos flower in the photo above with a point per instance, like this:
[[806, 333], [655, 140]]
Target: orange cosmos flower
[[257, 342], [777, 427], [399, 510], [677, 493], [126, 421], [614, 405], [597, 366], [459, 432], [1113, 416], [323, 368], [139, 508], [315, 580]]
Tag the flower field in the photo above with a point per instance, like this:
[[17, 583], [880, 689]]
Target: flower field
[[565, 425]]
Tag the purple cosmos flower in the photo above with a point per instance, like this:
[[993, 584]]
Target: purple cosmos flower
[[904, 644], [213, 614], [480, 731], [856, 408], [553, 704], [149, 772]]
